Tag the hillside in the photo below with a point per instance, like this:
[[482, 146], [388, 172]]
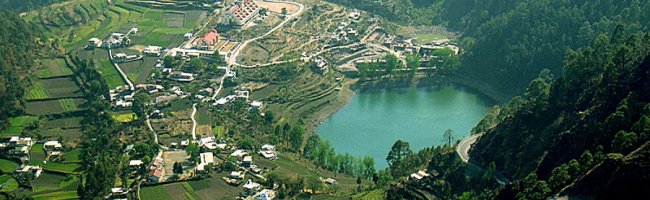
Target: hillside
[[600, 106]]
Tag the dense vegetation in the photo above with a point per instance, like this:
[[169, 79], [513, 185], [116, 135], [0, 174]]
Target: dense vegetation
[[18, 55], [21, 5], [587, 128]]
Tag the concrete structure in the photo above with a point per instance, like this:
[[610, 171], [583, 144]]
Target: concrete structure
[[241, 13], [152, 51]]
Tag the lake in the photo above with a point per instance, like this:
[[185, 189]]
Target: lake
[[371, 123]]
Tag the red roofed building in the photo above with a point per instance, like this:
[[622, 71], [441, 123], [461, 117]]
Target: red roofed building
[[208, 40], [241, 13]]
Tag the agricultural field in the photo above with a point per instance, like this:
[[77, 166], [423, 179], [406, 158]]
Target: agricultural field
[[71, 134], [139, 71], [156, 192], [16, 125], [203, 116], [108, 71], [38, 157], [8, 183], [53, 68], [54, 88], [124, 117], [70, 122], [8, 166]]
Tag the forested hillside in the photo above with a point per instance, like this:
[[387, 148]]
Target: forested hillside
[[594, 115], [18, 49], [585, 134], [22, 5], [509, 42]]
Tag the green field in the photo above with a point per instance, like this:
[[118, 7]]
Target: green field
[[53, 68], [67, 134], [54, 88], [139, 71], [16, 125], [8, 166], [63, 195], [72, 156], [37, 91], [8, 183], [156, 192], [428, 38], [110, 74], [124, 117], [70, 122], [38, 157], [203, 116], [55, 106]]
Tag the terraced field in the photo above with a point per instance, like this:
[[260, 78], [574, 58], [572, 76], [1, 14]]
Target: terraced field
[[55, 106], [53, 68], [54, 88], [17, 125]]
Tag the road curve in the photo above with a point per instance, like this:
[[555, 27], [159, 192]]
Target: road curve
[[463, 147]]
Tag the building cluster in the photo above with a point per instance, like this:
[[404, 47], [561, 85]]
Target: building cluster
[[240, 13], [18, 147]]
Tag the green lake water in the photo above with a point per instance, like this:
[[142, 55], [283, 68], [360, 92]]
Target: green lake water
[[374, 120]]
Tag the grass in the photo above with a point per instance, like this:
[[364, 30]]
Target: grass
[[8, 183], [55, 106], [218, 131], [53, 68], [70, 122], [72, 156], [156, 192], [124, 117], [8, 166], [37, 91], [428, 37]]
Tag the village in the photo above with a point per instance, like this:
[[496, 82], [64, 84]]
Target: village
[[188, 81]]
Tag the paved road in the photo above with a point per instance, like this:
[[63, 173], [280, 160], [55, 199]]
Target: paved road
[[126, 78], [193, 121], [463, 147]]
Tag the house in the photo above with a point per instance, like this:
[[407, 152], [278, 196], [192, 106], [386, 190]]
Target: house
[[207, 159], [119, 57], [251, 187], [152, 51], [240, 13], [208, 40], [355, 15], [21, 150], [243, 94], [182, 76], [330, 181], [165, 99], [156, 175], [247, 161], [94, 43], [238, 153], [116, 40], [237, 175], [118, 193], [32, 172], [419, 175], [268, 151], [257, 105], [265, 194], [52, 145], [321, 64], [135, 163], [18, 141], [188, 35]]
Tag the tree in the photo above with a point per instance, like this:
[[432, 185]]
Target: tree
[[623, 141], [311, 147], [413, 62], [368, 167], [392, 63], [296, 137], [168, 61], [216, 58], [269, 116], [399, 151], [284, 11], [448, 135], [359, 183], [194, 151], [178, 168], [142, 105]]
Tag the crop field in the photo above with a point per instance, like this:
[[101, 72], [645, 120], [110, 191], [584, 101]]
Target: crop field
[[174, 19], [54, 88], [214, 188], [139, 71], [16, 125], [70, 122], [8, 166], [55, 106], [156, 192], [53, 68], [57, 195], [8, 183], [203, 116], [38, 157], [124, 117], [110, 74], [67, 134], [204, 130], [47, 182]]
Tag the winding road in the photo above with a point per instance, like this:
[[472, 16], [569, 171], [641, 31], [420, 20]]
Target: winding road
[[193, 121], [232, 60], [463, 147]]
